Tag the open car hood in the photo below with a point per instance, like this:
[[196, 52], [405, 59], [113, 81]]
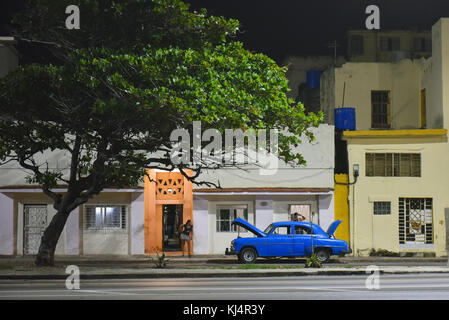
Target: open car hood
[[244, 224], [333, 227]]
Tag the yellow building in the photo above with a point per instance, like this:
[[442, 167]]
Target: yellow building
[[400, 149]]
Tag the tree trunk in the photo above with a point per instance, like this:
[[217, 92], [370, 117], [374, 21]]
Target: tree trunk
[[49, 240]]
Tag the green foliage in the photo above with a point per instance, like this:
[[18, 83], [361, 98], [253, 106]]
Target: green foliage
[[134, 72], [312, 262], [382, 253], [125, 26], [161, 261]]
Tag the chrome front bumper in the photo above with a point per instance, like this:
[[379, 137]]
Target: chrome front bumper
[[230, 252]]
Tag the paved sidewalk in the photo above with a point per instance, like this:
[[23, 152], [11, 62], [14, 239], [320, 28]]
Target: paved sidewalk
[[110, 267]]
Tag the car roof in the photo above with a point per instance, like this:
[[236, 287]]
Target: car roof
[[316, 228], [296, 223]]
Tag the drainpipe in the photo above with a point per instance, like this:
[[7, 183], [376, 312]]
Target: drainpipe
[[446, 218]]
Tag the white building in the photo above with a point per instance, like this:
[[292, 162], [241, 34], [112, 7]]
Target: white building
[[145, 219], [400, 147]]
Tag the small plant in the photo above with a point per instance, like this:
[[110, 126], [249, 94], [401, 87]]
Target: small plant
[[382, 253], [312, 262], [161, 261]]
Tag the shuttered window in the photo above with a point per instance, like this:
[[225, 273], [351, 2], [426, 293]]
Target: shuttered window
[[104, 217], [393, 164]]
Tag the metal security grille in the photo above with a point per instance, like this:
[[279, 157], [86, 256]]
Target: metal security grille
[[382, 208], [415, 220], [34, 224], [105, 217]]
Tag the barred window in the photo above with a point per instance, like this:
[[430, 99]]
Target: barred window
[[380, 109], [105, 217], [393, 165], [415, 221], [227, 214], [382, 208]]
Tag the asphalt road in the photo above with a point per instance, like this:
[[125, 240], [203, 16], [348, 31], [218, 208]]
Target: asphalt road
[[391, 287]]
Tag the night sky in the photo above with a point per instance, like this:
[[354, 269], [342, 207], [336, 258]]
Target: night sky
[[280, 28]]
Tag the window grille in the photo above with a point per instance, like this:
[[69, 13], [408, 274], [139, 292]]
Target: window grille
[[105, 217], [227, 214], [393, 164], [382, 208], [415, 220]]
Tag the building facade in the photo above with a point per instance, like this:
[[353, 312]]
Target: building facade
[[388, 46], [399, 149], [147, 219]]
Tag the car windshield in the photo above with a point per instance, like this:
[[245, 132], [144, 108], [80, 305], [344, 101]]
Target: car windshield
[[268, 229]]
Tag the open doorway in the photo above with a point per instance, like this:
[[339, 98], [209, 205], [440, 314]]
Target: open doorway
[[171, 227]]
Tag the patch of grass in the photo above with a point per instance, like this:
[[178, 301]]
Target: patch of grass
[[29, 267], [383, 253], [6, 267]]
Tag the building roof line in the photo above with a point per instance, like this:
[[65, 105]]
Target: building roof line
[[412, 133]]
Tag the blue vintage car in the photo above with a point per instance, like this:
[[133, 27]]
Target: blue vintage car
[[287, 239]]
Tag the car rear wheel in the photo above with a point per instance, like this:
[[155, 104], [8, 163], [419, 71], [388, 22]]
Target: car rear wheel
[[322, 255], [248, 255]]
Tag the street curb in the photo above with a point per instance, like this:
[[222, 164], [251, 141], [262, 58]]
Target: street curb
[[222, 274]]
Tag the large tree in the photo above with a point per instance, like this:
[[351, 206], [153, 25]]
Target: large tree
[[116, 88]]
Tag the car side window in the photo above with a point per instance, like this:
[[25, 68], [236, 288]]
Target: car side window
[[302, 230], [282, 230]]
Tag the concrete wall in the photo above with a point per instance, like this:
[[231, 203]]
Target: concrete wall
[[74, 239], [318, 173], [372, 49], [9, 58], [381, 231], [137, 223], [298, 67], [200, 225], [357, 80], [436, 76], [115, 242], [327, 95], [6, 225]]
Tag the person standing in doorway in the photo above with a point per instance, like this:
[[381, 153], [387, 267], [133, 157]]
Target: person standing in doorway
[[186, 233]]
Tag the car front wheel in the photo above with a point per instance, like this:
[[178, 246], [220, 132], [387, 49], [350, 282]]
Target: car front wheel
[[322, 255], [248, 255]]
